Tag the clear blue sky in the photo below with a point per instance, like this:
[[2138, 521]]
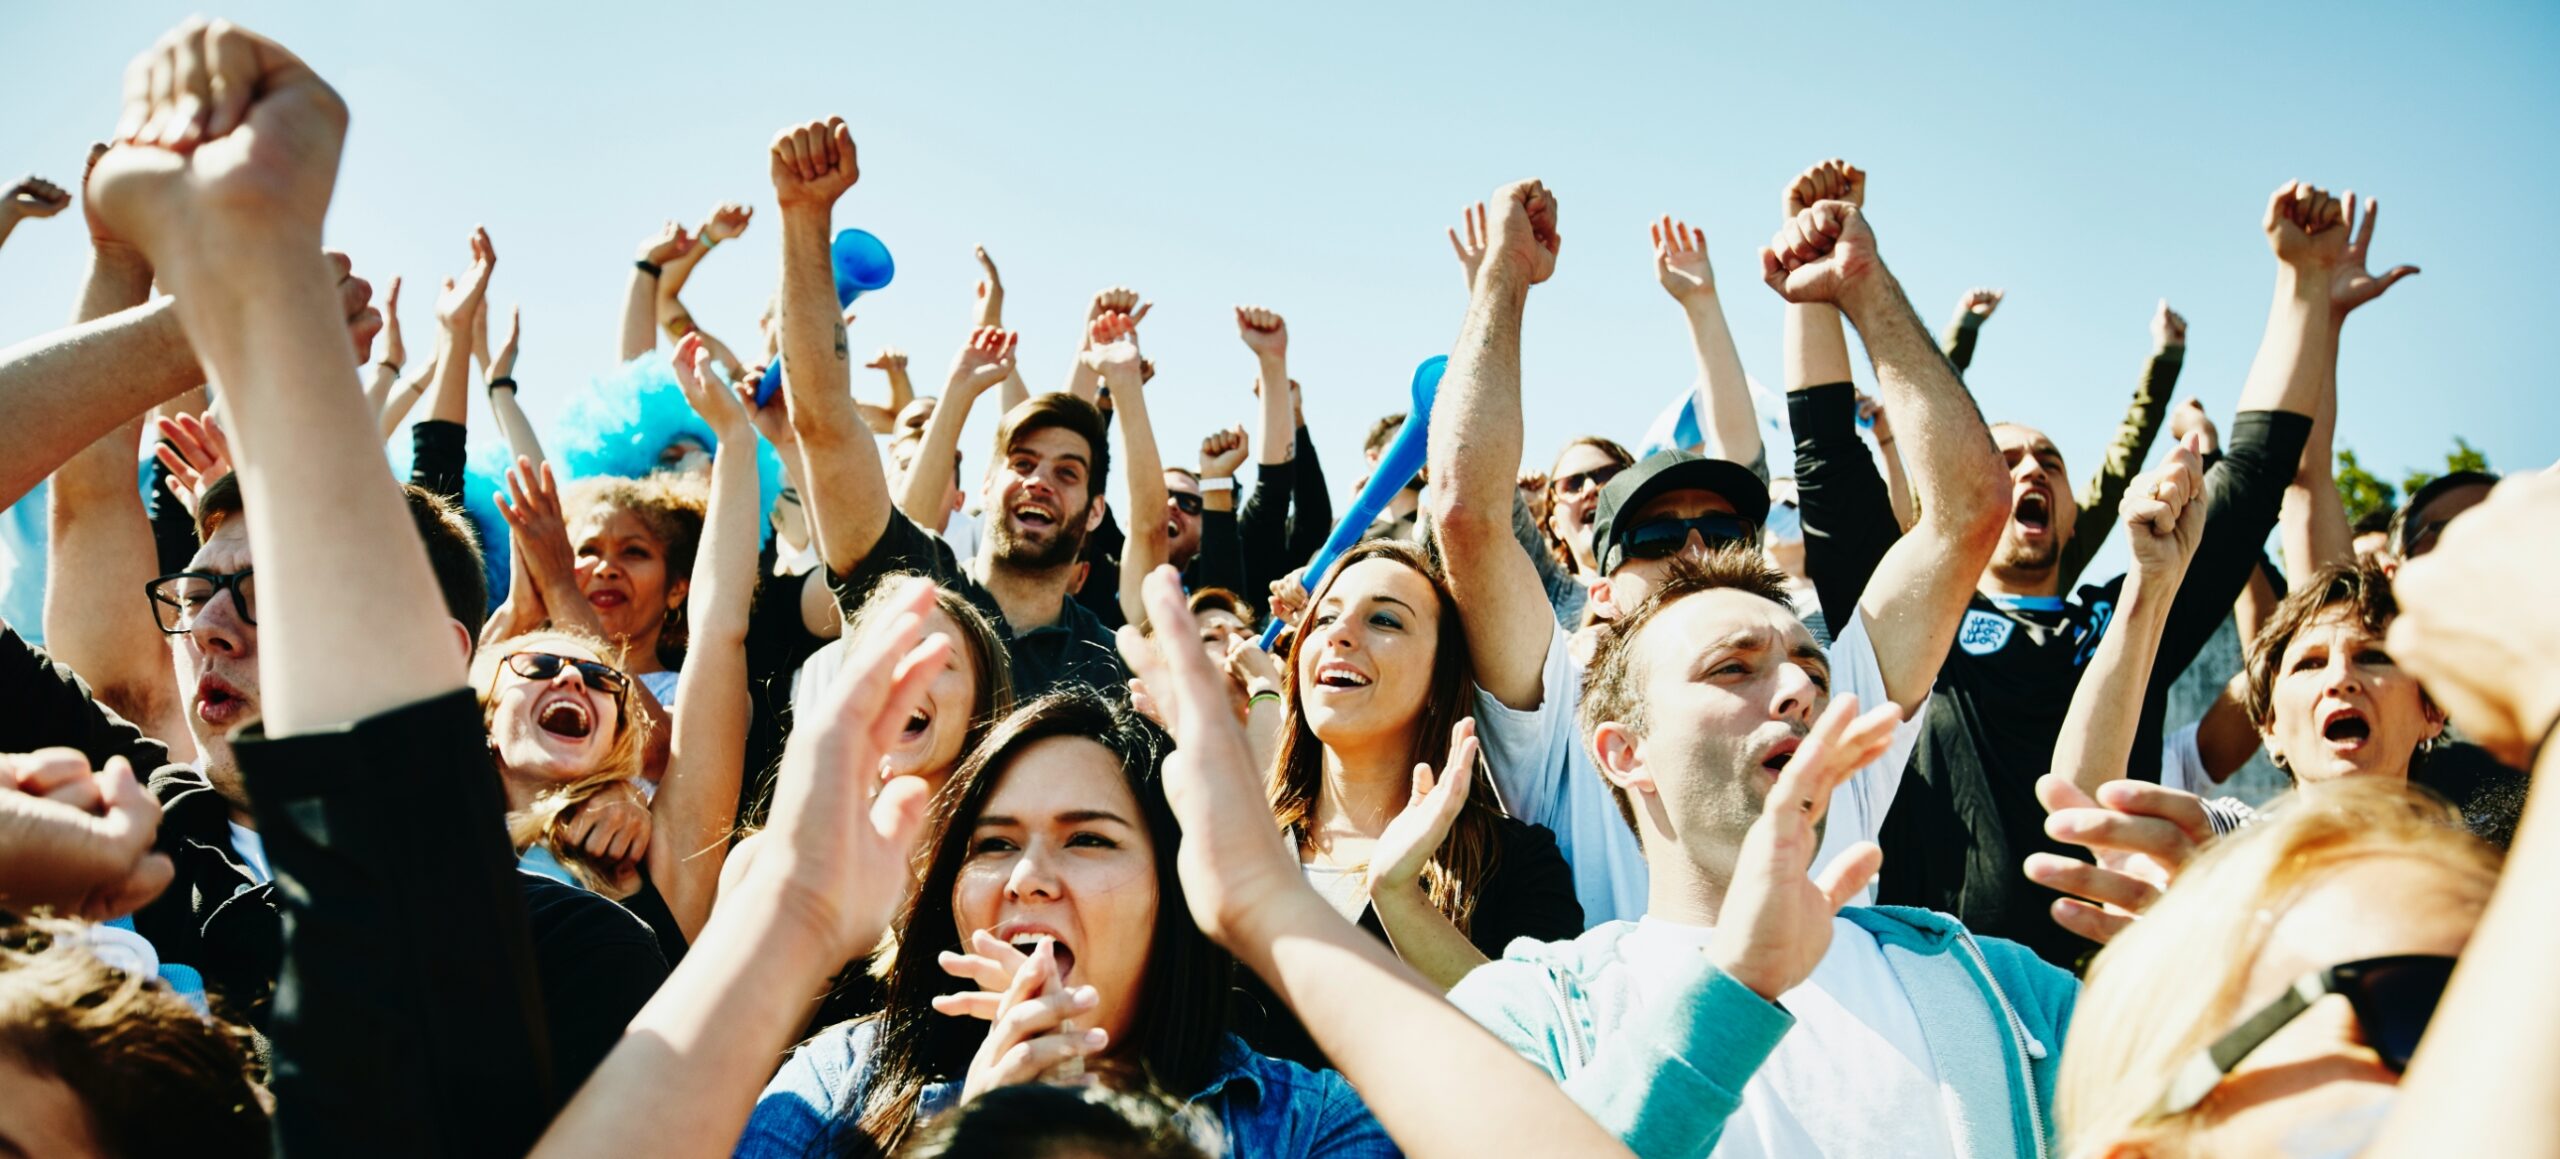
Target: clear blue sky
[[2091, 159]]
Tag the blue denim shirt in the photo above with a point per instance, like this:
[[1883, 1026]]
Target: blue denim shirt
[[1267, 1106]]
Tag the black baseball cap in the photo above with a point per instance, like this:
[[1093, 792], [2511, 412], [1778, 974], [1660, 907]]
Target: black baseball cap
[[1661, 473]]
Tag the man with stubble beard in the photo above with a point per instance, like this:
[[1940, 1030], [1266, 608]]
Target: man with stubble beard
[[1967, 815], [1043, 489]]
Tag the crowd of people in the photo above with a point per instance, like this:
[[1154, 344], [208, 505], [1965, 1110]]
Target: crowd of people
[[754, 772]]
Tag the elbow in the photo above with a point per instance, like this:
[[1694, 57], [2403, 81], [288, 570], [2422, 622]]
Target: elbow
[[1465, 521]]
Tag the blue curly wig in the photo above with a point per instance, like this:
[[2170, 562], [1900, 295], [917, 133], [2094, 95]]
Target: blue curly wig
[[617, 426]]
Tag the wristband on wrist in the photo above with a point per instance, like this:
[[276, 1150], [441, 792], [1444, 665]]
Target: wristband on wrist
[[389, 365], [1210, 483], [1255, 701], [649, 267], [507, 381]]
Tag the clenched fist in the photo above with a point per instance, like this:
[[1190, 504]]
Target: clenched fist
[[1823, 254], [813, 164], [1521, 237]]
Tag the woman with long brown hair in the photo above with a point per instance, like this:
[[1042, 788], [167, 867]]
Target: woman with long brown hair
[[1377, 696]]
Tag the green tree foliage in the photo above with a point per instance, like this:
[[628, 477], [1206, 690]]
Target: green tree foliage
[[2361, 490]]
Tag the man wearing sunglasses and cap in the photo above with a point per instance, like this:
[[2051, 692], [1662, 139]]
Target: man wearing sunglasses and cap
[[1676, 504]]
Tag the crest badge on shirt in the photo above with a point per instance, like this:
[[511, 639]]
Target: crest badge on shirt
[[1984, 632]]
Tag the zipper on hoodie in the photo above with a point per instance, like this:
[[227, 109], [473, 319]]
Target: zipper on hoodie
[[2028, 1047], [1579, 1054]]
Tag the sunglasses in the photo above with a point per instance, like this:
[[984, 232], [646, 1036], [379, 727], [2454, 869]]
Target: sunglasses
[[1663, 538], [178, 599], [599, 675], [1574, 483], [1190, 503], [2393, 997]]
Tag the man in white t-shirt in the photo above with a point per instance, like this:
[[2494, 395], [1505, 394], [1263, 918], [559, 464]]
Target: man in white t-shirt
[[1883, 1031], [1674, 504]]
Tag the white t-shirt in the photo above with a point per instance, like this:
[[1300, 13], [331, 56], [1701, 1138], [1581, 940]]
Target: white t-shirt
[[252, 850], [1546, 776], [1852, 1077]]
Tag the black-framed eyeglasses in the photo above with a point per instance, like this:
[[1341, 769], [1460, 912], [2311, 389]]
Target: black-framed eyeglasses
[[1596, 477], [178, 599], [1190, 502], [2394, 997], [539, 666], [1664, 537]]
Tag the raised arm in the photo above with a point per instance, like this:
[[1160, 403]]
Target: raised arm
[[2132, 443], [1724, 395], [2244, 492], [1919, 590], [2315, 519], [1816, 347], [1851, 515], [30, 198], [457, 309], [640, 291], [1897, 484], [1972, 310], [1475, 454], [101, 552], [883, 420], [232, 228], [848, 496], [502, 393], [2163, 518], [697, 802], [395, 354], [1112, 355], [983, 362], [728, 219]]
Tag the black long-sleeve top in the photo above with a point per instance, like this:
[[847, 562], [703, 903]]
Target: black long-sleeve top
[[1966, 816]]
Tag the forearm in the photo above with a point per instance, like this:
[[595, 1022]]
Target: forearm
[[687, 1072], [511, 422], [639, 315], [848, 495], [1920, 588], [937, 458], [2243, 493], [403, 395], [1897, 485], [2315, 519], [1816, 347], [65, 390], [1724, 393], [381, 378], [1438, 1082], [1014, 392], [1961, 336], [1278, 427], [1146, 548], [1474, 450], [1423, 936], [336, 561], [2098, 731], [1849, 522], [449, 394], [1311, 505], [2297, 358], [696, 804]]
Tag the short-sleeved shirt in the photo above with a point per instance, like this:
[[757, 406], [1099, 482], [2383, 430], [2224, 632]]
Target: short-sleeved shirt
[[1547, 776], [1077, 649]]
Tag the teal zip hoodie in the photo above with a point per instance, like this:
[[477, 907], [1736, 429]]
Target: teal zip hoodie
[[1666, 1077]]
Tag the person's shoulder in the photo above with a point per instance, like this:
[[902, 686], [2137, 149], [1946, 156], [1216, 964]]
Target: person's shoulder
[[563, 915]]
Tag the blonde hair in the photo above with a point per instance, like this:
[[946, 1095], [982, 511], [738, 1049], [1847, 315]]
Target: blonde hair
[[540, 822], [2130, 1032]]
